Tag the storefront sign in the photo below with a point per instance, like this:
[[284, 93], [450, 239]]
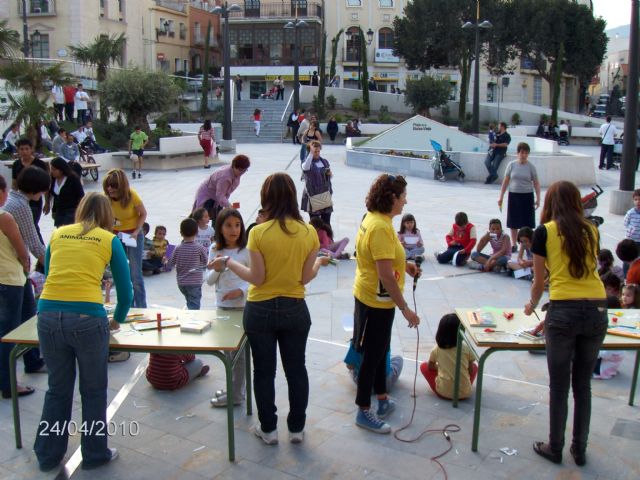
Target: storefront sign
[[385, 76], [385, 55], [287, 78]]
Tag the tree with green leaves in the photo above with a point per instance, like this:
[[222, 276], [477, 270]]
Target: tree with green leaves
[[426, 93], [136, 93], [104, 51], [9, 40], [364, 76], [31, 104], [334, 54], [204, 100]]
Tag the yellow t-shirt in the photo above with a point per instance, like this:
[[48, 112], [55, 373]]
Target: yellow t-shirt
[[446, 361], [284, 255], [126, 218], [563, 285], [11, 272], [377, 240], [76, 264]]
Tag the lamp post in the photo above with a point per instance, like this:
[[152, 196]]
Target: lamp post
[[295, 24], [25, 30], [475, 126], [627, 174], [223, 11], [350, 36]]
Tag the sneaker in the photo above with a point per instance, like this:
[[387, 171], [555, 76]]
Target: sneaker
[[119, 356], [385, 408], [367, 419], [436, 255], [514, 249], [114, 456], [220, 401], [133, 174], [296, 437], [270, 438], [472, 264], [139, 175]]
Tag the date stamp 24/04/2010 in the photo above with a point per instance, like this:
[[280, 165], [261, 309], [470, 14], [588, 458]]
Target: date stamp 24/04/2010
[[98, 428]]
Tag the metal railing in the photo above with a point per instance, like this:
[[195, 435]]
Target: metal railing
[[281, 9]]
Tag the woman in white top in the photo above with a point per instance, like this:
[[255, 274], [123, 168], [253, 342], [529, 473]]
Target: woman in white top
[[521, 178]]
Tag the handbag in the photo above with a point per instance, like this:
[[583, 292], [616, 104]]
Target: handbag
[[320, 201]]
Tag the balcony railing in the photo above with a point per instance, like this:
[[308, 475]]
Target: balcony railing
[[279, 9], [38, 8]]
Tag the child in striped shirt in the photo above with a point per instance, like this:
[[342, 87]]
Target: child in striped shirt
[[632, 219]]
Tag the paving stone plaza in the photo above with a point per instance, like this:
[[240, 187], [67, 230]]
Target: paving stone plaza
[[181, 437]]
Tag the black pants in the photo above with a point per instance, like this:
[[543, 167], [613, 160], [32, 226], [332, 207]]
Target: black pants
[[372, 337], [58, 108], [294, 130], [68, 111], [447, 255], [280, 95], [606, 150]]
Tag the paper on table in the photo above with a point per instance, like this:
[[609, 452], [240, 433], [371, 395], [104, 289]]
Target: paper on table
[[127, 239], [523, 272], [410, 239]]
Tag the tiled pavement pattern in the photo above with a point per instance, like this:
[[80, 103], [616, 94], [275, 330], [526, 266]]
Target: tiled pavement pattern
[[181, 437]]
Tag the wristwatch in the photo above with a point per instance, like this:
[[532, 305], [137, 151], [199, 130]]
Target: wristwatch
[[226, 261], [402, 309]]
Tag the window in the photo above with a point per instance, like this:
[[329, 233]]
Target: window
[[251, 8], [299, 8], [537, 91], [386, 3], [101, 3], [121, 7], [353, 44], [39, 6], [245, 45], [183, 31], [196, 61], [178, 64], [385, 38], [40, 49], [197, 33], [354, 3]]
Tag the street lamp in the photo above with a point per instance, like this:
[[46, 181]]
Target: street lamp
[[475, 126], [350, 36], [223, 11], [627, 173], [295, 24]]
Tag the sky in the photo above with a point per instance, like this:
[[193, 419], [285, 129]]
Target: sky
[[615, 12]]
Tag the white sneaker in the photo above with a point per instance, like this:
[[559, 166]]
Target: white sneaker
[[114, 454], [296, 437], [270, 438]]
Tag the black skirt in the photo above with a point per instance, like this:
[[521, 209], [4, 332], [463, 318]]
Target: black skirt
[[521, 210]]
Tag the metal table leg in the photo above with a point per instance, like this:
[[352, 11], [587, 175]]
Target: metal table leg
[[228, 366], [476, 413], [634, 379], [456, 378], [247, 363], [16, 352]]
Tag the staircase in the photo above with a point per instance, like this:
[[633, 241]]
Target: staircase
[[270, 129]]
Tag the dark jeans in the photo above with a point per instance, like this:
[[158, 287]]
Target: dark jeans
[[192, 294], [68, 111], [64, 217], [67, 338], [283, 323], [58, 108], [280, 95], [17, 305], [134, 255], [606, 150], [326, 217], [36, 211], [492, 162], [574, 332], [373, 339], [82, 116], [294, 131], [447, 255]]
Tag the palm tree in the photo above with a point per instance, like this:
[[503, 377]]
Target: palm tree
[[33, 80], [102, 52], [9, 40]]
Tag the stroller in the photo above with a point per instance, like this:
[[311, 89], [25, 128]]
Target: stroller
[[590, 203], [272, 94], [443, 165], [563, 139]]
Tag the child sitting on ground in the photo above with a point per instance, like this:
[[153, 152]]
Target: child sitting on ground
[[353, 360], [500, 244], [460, 241], [205, 230], [525, 257], [440, 369], [630, 296], [231, 290], [190, 260], [612, 286], [325, 235], [156, 259], [627, 251], [173, 371], [606, 265], [410, 238]]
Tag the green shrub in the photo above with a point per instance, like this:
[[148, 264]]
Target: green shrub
[[357, 105], [331, 102], [319, 108], [544, 118], [339, 118], [116, 134], [515, 119], [384, 116]]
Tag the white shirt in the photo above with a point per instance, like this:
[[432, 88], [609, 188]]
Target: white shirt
[[58, 186], [564, 127], [58, 94], [608, 131], [44, 132], [79, 135], [89, 133], [203, 237], [12, 137], [81, 100], [227, 281]]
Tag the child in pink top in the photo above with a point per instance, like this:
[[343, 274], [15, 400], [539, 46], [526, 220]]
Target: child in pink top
[[325, 235], [410, 238], [500, 246], [257, 116]]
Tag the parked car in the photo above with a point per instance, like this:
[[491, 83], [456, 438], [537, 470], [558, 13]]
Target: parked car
[[196, 82], [599, 111]]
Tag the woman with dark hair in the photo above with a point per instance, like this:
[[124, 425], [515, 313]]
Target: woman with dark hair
[[381, 265], [521, 178], [316, 197], [66, 191], [284, 258], [214, 192], [566, 244], [129, 215], [73, 328], [207, 139]]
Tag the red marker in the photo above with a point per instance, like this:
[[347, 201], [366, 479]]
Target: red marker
[[159, 319], [508, 315], [489, 330], [614, 319]]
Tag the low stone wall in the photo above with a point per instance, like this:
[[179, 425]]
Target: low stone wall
[[553, 167]]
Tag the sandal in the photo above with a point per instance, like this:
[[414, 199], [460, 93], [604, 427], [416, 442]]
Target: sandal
[[543, 450], [22, 392]]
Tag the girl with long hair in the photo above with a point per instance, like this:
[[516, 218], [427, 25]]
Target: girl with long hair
[[284, 258], [207, 139], [66, 191], [566, 244]]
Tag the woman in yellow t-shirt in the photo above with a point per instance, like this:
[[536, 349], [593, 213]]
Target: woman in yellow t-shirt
[[566, 244], [381, 265], [129, 216], [284, 258]]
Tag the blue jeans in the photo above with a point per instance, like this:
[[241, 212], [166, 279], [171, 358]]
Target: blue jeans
[[574, 331], [134, 255], [17, 305], [192, 294], [492, 162], [280, 322], [67, 338]]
